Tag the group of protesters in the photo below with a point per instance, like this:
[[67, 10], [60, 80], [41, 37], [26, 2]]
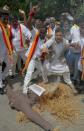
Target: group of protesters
[[40, 48]]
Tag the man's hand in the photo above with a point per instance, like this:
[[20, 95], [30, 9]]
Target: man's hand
[[45, 50], [27, 43], [77, 45], [22, 13], [34, 10], [63, 61], [22, 71]]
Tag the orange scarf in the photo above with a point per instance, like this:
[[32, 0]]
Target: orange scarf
[[82, 62], [6, 38], [21, 41], [31, 52], [49, 30]]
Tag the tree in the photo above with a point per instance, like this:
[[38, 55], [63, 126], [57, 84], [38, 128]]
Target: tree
[[47, 7]]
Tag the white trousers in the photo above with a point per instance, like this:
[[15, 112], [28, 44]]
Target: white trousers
[[40, 70], [66, 77], [64, 71], [30, 70], [5, 73], [17, 56]]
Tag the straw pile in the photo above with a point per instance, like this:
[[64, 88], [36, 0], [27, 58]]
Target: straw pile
[[59, 101], [21, 117]]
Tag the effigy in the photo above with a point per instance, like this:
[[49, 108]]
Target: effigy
[[23, 104]]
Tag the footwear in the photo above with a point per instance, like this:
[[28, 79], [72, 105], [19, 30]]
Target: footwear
[[80, 89], [4, 82], [2, 85], [12, 76], [73, 88], [2, 91], [75, 82], [25, 90]]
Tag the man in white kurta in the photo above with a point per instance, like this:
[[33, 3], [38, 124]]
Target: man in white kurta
[[56, 64], [74, 53], [18, 50], [4, 56], [34, 62]]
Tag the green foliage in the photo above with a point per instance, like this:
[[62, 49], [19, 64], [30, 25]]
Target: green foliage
[[47, 7], [80, 11], [53, 8]]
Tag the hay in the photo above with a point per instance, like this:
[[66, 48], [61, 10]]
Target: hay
[[56, 129], [59, 101], [21, 117]]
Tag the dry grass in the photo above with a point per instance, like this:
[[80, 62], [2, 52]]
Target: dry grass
[[59, 101], [21, 117], [56, 129]]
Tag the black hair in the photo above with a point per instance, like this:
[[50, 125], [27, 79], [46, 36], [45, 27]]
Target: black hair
[[0, 14], [58, 30], [14, 17]]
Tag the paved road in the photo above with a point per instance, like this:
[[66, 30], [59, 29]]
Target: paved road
[[8, 117]]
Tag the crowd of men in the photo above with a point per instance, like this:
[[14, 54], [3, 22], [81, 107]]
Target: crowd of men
[[42, 48]]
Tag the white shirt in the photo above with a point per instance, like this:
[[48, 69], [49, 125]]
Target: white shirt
[[75, 33], [37, 52], [57, 61], [79, 63], [82, 42], [40, 45], [75, 37], [3, 48], [16, 37], [58, 50]]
